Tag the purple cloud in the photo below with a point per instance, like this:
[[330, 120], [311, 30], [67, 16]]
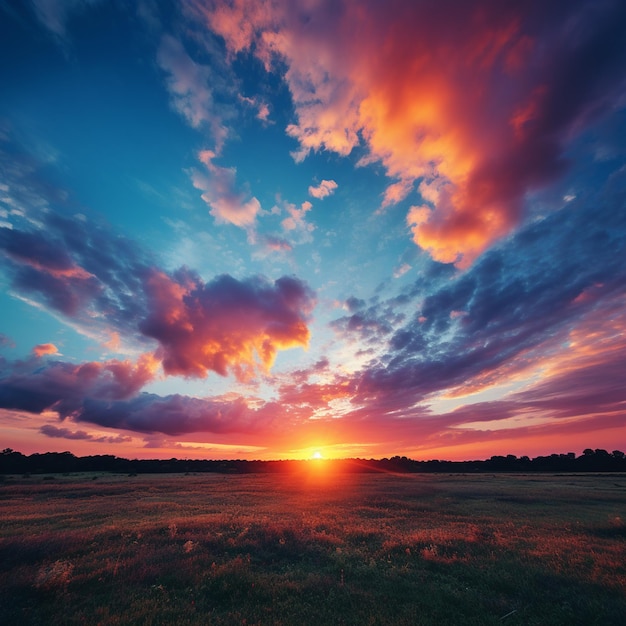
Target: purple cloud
[[80, 435]]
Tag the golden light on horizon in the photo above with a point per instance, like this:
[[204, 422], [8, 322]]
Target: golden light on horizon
[[317, 455]]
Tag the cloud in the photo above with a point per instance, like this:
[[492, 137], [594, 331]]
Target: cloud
[[62, 387], [227, 204], [262, 108], [401, 270], [171, 415], [323, 190], [225, 325], [478, 101], [65, 433], [109, 288], [271, 243], [263, 113], [40, 264], [188, 83], [296, 223], [45, 348], [78, 269], [521, 304]]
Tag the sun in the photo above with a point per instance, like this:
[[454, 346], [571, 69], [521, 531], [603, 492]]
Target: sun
[[317, 455]]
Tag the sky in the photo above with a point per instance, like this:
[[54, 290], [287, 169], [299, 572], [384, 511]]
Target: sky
[[268, 229]]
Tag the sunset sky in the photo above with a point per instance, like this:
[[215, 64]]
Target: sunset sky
[[362, 228]]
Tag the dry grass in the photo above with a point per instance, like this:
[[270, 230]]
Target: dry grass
[[313, 549]]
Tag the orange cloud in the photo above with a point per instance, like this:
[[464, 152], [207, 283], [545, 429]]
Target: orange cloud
[[225, 325], [452, 94], [45, 348]]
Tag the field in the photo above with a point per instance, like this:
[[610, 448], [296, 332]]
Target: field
[[313, 548]]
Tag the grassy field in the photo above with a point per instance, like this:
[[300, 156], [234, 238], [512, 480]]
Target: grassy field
[[313, 548]]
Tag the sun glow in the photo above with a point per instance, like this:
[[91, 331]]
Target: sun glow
[[317, 455]]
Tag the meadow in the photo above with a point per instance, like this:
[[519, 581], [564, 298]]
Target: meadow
[[313, 548]]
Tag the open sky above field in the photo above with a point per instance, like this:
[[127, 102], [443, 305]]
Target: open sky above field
[[266, 229]]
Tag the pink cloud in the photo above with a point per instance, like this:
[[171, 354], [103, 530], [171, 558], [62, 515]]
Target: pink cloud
[[296, 221], [323, 190], [43, 349], [227, 204], [263, 113], [271, 243], [262, 108]]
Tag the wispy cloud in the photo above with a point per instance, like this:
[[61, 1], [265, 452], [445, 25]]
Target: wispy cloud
[[189, 85], [260, 106], [49, 430], [227, 204], [296, 222], [54, 14]]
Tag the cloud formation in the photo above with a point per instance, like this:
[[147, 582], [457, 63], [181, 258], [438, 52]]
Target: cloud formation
[[49, 430], [323, 190], [517, 303], [102, 282], [43, 349], [173, 415], [481, 113], [496, 127], [296, 223], [225, 325], [62, 387]]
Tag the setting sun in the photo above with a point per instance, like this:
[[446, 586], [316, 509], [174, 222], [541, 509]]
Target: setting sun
[[317, 455]]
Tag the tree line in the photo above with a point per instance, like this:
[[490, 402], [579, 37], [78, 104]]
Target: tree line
[[598, 460]]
